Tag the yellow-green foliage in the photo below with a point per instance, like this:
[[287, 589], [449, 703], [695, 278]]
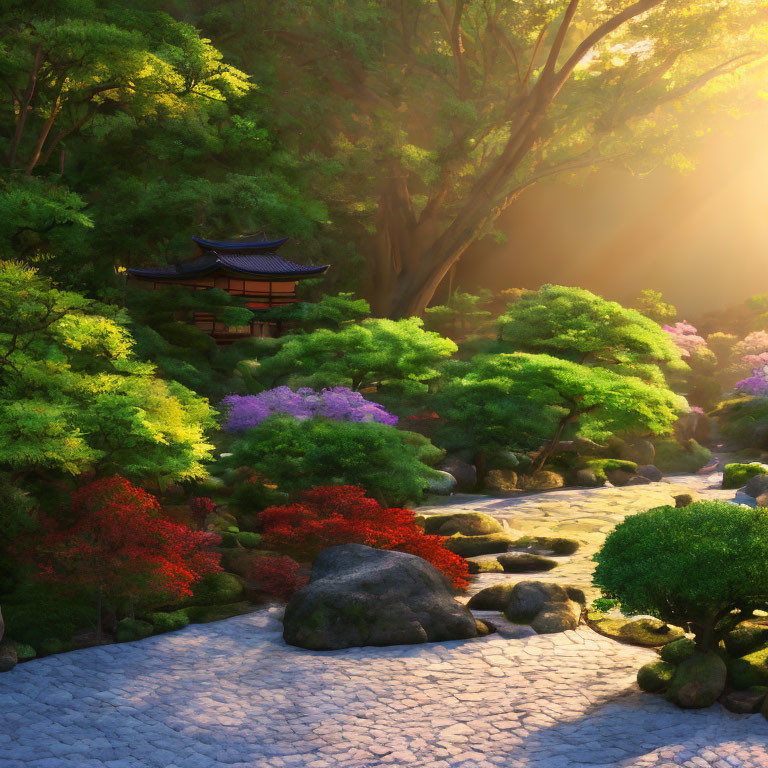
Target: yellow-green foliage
[[736, 475], [74, 397]]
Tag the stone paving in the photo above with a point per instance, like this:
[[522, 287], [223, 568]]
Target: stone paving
[[233, 694]]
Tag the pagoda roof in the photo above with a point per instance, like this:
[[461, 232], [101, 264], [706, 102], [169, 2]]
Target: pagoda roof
[[267, 265], [250, 244]]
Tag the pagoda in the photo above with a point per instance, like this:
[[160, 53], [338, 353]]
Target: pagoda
[[250, 268]]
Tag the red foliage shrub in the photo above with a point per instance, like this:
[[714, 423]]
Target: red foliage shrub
[[200, 507], [342, 514], [278, 576], [115, 543]]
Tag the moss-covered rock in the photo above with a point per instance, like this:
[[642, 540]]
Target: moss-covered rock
[[599, 467], [202, 614], [487, 565], [648, 633], [494, 598], [678, 650], [501, 481], [556, 617], [737, 475], [524, 562], [169, 622], [472, 546], [557, 545], [698, 682], [249, 539], [655, 676], [543, 480], [132, 629], [464, 523], [746, 638], [749, 670], [214, 588]]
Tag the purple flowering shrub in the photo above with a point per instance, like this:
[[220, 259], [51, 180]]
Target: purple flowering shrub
[[338, 403]]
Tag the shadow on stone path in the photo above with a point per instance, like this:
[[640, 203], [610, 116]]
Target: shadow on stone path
[[233, 694]]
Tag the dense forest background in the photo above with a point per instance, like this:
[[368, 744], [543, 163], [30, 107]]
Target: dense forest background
[[393, 140]]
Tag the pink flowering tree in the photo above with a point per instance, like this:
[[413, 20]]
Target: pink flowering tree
[[338, 403], [753, 353], [686, 337]]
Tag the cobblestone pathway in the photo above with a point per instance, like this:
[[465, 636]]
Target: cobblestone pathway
[[233, 694]]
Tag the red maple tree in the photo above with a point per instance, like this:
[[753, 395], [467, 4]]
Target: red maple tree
[[115, 544], [342, 514]]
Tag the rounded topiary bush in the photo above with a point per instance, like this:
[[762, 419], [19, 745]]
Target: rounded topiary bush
[[132, 629], [214, 588], [655, 676], [737, 475], [169, 622], [696, 566]]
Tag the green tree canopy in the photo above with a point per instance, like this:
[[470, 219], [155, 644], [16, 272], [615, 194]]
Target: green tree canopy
[[462, 314], [651, 304], [370, 353], [73, 397], [579, 326], [696, 564], [432, 118], [526, 401]]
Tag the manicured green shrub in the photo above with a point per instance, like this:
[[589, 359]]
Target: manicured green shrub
[[745, 639], [35, 613], [202, 614], [673, 457], [24, 652], [743, 420], [169, 622], [132, 629], [604, 604], [749, 670], [51, 645], [737, 475], [249, 540], [691, 565], [391, 464], [215, 588]]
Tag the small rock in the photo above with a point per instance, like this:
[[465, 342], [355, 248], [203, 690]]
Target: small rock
[[465, 523], [619, 477], [638, 480], [541, 481], [8, 656], [683, 500], [494, 598], [652, 472], [488, 565], [464, 472], [587, 477], [501, 481], [557, 617], [472, 546], [441, 484], [762, 500], [522, 562], [638, 450], [744, 702], [756, 486]]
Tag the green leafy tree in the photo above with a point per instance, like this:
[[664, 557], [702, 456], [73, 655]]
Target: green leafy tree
[[373, 352], [391, 464], [461, 315], [73, 397], [579, 326], [434, 117], [697, 565], [527, 401], [651, 304]]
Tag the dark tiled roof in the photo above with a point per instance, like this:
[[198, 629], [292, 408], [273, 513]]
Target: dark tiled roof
[[267, 264], [244, 244]]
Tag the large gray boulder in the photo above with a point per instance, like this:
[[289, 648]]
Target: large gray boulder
[[362, 596]]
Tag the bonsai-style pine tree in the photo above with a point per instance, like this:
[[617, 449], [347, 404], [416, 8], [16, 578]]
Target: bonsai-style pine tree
[[577, 325], [526, 401], [73, 397], [694, 565], [114, 545], [360, 355]]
